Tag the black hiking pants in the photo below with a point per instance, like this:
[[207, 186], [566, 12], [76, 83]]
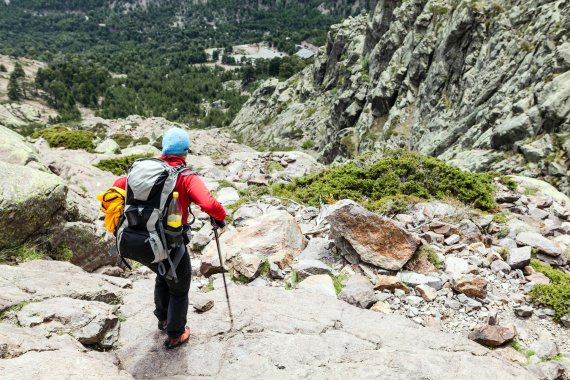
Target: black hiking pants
[[171, 298]]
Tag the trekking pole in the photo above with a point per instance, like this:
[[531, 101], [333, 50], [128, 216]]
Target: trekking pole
[[223, 275]]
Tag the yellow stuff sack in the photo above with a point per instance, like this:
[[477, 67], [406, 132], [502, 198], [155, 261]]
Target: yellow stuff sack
[[112, 204]]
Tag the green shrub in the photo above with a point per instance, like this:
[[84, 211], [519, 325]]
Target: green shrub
[[398, 173], [308, 144], [61, 136], [63, 253], [272, 166], [122, 139], [500, 218], [25, 252], [338, 282], [392, 205], [141, 141], [556, 294], [120, 165]]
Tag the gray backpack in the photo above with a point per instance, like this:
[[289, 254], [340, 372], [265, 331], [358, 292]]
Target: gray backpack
[[142, 234]]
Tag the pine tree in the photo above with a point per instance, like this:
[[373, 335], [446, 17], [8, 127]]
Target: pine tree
[[14, 89]]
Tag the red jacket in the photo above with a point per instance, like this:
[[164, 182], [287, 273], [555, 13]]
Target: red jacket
[[190, 189]]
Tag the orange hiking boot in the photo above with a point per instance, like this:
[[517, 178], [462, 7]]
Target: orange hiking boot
[[175, 342]]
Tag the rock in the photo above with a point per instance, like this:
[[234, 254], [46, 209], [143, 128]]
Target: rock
[[545, 313], [547, 370], [539, 242], [500, 266], [519, 257], [453, 239], [381, 307], [274, 235], [14, 150], [510, 354], [329, 331], [376, 240], [358, 292], [523, 311], [390, 283], [492, 336], [456, 266], [26, 206], [245, 214], [259, 281], [321, 283], [565, 320], [414, 279], [538, 278], [259, 180], [247, 265], [544, 348], [427, 292], [275, 272], [90, 322], [38, 280], [203, 304], [306, 268], [317, 249], [469, 231], [471, 286], [227, 196], [537, 150], [108, 146]]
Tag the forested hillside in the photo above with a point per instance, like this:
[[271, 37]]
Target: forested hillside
[[158, 48]]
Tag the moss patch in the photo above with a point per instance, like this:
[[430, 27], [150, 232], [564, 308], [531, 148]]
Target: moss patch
[[123, 140], [338, 282], [556, 294], [120, 165], [23, 252], [67, 138], [13, 309], [398, 173]]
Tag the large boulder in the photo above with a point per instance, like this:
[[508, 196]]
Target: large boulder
[[29, 199], [374, 239], [275, 236], [90, 322], [15, 150], [318, 337]]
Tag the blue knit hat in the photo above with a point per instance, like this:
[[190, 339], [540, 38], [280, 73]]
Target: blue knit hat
[[175, 141]]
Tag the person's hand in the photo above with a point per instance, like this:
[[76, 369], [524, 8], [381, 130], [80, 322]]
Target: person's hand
[[217, 223]]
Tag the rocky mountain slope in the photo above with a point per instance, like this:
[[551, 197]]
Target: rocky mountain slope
[[483, 85], [313, 277]]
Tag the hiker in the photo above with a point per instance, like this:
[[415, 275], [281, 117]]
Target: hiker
[[171, 286]]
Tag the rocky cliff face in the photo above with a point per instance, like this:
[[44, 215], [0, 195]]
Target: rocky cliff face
[[485, 85]]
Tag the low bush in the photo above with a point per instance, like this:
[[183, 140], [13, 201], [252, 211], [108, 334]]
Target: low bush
[[122, 139], [120, 165], [61, 136], [398, 173], [556, 294]]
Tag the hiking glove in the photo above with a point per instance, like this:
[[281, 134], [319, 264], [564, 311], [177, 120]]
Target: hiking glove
[[217, 223]]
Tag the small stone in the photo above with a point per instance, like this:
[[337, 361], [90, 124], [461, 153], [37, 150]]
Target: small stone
[[202, 305], [500, 266], [453, 239], [471, 285], [453, 304], [414, 300], [534, 239], [358, 292], [548, 370], [399, 293], [427, 292], [275, 272], [519, 257], [544, 348], [492, 336], [381, 307], [545, 313], [390, 283], [523, 311], [538, 278], [320, 283], [565, 320]]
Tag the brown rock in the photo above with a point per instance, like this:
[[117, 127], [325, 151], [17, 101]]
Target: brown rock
[[390, 283], [492, 336], [427, 292], [538, 278], [443, 228], [260, 180], [373, 238], [247, 265], [511, 355], [421, 265], [470, 285], [381, 307]]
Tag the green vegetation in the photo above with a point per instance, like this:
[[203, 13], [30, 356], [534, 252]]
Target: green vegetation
[[141, 141], [530, 191], [504, 252], [209, 287], [3, 68], [264, 271], [426, 252], [500, 218], [16, 89], [25, 252], [123, 139], [61, 136], [272, 167], [13, 309], [338, 282], [308, 144], [393, 205], [504, 232], [517, 346], [120, 165], [510, 183], [63, 253], [398, 173], [556, 294]]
